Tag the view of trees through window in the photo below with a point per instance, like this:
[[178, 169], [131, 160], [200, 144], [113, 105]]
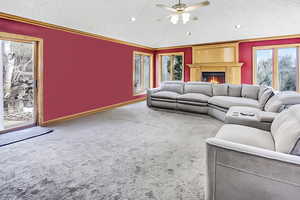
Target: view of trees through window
[[288, 70], [171, 67], [286, 66], [264, 71], [142, 72], [17, 90]]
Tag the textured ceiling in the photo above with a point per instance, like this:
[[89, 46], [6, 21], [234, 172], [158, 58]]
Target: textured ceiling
[[111, 18]]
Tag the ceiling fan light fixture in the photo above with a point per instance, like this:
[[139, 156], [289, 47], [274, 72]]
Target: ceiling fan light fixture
[[185, 17], [180, 11]]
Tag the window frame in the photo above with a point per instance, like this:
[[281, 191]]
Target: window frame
[[143, 90], [159, 64], [275, 60]]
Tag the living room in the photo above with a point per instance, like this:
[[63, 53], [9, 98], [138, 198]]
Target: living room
[[143, 99]]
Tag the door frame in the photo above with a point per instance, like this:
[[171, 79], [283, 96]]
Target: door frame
[[38, 71]]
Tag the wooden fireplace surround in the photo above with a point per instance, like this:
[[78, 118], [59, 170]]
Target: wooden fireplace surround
[[216, 58]]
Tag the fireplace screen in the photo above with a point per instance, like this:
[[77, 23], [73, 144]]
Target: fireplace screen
[[213, 77]]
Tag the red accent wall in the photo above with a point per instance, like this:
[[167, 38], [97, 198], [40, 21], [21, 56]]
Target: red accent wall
[[80, 72], [245, 54], [187, 59]]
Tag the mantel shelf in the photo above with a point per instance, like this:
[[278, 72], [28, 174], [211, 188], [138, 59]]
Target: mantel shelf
[[223, 64]]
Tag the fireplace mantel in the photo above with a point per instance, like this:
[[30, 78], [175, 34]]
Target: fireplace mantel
[[216, 58], [199, 65]]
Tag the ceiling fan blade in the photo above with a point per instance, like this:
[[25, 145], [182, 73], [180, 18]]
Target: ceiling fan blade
[[195, 6], [166, 7]]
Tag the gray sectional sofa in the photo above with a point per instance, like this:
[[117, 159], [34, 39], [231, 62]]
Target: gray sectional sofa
[[251, 157], [217, 99]]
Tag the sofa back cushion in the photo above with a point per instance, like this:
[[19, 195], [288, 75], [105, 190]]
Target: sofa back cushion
[[173, 86], [250, 91], [265, 93], [285, 129], [198, 87], [282, 100], [234, 90], [220, 89]]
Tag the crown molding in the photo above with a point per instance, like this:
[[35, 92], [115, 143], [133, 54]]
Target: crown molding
[[101, 37], [66, 29], [231, 41]]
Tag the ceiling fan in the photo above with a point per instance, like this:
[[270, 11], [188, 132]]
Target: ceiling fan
[[181, 11]]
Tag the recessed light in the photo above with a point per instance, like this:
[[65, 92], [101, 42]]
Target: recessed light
[[238, 26], [132, 19], [188, 33]]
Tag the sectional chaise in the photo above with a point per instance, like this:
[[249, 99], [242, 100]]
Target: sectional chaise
[[246, 163]]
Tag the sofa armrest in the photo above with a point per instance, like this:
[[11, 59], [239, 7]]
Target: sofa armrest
[[267, 116], [254, 151], [236, 171], [150, 92]]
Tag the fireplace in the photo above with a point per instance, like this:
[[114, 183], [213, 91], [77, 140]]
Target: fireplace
[[213, 77]]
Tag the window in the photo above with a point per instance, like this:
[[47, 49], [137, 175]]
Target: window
[[287, 68], [142, 72], [170, 66], [277, 66], [264, 67]]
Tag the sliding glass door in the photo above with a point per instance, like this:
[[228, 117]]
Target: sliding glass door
[[17, 84]]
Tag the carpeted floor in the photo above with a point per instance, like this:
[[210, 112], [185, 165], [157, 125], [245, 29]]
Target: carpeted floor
[[129, 153]]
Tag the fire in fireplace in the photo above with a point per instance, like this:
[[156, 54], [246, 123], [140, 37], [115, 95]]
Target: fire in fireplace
[[213, 77]]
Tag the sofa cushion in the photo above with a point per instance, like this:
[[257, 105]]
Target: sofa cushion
[[220, 89], [264, 95], [250, 91], [227, 102], [194, 103], [198, 87], [282, 100], [234, 90], [247, 136], [194, 97], [286, 129], [165, 95], [173, 86], [219, 108]]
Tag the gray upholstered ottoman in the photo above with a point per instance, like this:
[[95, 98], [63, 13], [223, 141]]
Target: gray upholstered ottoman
[[260, 119]]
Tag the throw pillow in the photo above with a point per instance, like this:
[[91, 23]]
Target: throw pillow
[[264, 98]]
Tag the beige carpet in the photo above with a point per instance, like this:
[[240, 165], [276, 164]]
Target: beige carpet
[[129, 153]]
